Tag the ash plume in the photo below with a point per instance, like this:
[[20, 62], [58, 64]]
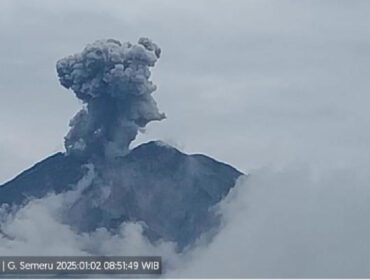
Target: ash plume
[[112, 80]]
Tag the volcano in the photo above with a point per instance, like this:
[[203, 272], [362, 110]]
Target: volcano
[[170, 192]]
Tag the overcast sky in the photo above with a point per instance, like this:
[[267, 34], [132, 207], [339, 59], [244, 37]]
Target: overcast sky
[[251, 83], [279, 89]]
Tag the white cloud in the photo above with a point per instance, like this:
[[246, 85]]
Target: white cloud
[[296, 222], [290, 223]]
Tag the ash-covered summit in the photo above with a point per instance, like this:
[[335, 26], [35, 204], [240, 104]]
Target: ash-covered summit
[[169, 192]]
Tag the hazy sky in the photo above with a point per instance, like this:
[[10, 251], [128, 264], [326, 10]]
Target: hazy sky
[[252, 83], [277, 88]]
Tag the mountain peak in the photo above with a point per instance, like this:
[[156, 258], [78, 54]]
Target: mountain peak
[[171, 192]]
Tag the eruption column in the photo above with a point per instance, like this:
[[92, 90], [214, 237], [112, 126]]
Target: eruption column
[[112, 80]]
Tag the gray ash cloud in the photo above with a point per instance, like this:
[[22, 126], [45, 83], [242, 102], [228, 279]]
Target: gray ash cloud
[[112, 79]]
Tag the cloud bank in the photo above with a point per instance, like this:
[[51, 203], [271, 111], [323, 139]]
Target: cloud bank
[[294, 222]]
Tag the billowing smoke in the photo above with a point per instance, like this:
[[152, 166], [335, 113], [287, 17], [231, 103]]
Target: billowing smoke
[[112, 80]]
